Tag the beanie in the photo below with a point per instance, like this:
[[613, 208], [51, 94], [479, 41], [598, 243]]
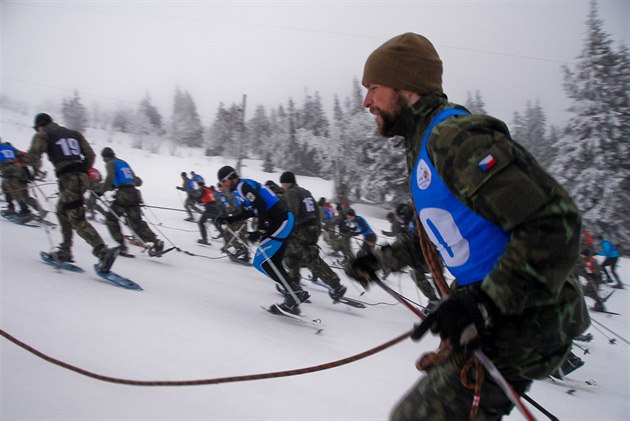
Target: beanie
[[408, 61], [226, 172], [287, 177], [107, 152], [42, 119]]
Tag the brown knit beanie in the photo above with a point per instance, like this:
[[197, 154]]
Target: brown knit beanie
[[408, 61]]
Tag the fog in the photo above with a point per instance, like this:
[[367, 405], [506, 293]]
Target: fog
[[116, 53]]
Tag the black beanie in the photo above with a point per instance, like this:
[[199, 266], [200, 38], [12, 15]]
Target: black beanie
[[107, 152], [42, 119], [287, 177]]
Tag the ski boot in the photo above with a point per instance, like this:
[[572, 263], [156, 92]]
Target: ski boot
[[106, 257], [290, 306], [572, 363], [337, 292], [203, 241], [156, 248]]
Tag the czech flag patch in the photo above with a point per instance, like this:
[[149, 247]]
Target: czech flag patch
[[488, 162]]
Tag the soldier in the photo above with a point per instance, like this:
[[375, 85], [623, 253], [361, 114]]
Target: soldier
[[15, 179], [120, 177], [71, 156], [504, 228], [188, 186], [277, 223], [302, 249], [362, 228], [212, 209]]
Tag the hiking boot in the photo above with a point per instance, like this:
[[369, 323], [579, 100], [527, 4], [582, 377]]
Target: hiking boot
[[106, 257], [7, 212], [189, 219], [598, 307], [337, 292], [572, 363], [62, 255], [290, 308], [42, 215], [26, 217], [203, 241]]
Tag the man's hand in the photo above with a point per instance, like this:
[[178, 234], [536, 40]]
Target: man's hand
[[461, 319]]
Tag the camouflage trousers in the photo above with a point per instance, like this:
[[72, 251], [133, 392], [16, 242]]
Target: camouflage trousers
[[440, 395], [127, 205], [302, 251], [15, 183], [71, 211]]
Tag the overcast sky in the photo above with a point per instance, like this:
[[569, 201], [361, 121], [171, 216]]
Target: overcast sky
[[116, 52]]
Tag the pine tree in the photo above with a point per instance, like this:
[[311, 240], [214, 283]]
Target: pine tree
[[74, 113], [186, 128], [593, 151], [267, 164], [475, 105], [147, 126]]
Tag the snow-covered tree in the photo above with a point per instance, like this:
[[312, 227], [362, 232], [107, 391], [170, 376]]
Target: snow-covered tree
[[75, 115], [147, 126], [530, 130], [594, 149], [475, 104], [186, 128]]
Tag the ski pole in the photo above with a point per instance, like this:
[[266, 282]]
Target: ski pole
[[46, 229], [510, 393], [611, 331]]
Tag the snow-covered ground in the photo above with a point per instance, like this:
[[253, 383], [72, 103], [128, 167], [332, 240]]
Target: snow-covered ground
[[200, 317]]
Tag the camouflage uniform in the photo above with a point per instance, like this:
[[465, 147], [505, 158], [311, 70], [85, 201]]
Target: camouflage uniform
[[540, 304], [71, 171], [15, 183], [342, 242], [126, 204], [302, 249]]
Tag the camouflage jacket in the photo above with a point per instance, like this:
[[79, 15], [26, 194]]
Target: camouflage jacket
[[539, 301], [39, 146]]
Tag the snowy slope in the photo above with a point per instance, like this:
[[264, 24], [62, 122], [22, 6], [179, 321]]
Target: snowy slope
[[201, 318]]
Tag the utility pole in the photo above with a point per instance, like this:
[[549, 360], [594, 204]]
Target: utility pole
[[241, 136]]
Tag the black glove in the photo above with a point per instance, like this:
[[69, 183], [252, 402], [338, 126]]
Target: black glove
[[221, 220], [363, 269], [461, 319], [179, 188]]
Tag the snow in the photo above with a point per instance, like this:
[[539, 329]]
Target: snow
[[200, 317]]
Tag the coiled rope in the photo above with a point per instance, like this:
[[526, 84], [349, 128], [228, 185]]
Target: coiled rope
[[218, 380]]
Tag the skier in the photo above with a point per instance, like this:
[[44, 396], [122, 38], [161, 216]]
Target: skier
[[15, 179], [507, 231], [277, 223], [197, 179], [71, 156], [364, 229], [121, 178], [211, 211], [302, 249], [611, 255], [188, 186]]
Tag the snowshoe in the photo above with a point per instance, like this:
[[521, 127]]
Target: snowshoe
[[106, 258]]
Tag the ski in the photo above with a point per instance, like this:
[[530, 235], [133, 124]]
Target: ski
[[608, 296], [344, 300], [160, 253], [47, 258], [604, 311], [115, 279], [573, 385], [349, 301], [16, 220], [277, 311], [127, 255]]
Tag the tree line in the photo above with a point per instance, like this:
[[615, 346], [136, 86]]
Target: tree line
[[589, 155]]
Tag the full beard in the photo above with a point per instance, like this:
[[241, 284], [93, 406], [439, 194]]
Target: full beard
[[389, 119]]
